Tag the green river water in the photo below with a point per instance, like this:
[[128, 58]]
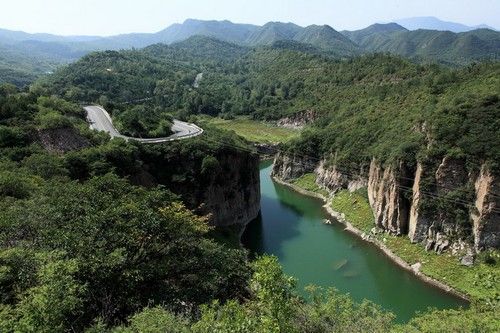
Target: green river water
[[291, 227]]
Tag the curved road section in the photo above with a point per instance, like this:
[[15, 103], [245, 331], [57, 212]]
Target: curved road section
[[99, 119]]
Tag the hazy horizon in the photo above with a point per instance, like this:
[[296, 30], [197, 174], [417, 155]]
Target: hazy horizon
[[115, 17]]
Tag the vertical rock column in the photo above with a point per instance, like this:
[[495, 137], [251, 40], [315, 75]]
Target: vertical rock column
[[418, 224], [386, 190], [486, 220]]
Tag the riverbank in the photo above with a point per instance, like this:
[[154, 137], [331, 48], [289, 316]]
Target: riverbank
[[340, 217]]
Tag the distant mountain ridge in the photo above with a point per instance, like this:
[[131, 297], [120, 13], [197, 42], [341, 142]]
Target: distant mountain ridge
[[272, 32], [433, 23], [442, 46], [423, 45]]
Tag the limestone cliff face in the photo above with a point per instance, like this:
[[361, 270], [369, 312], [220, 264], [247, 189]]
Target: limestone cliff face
[[232, 195], [486, 220], [404, 199], [386, 191], [289, 167], [224, 186], [298, 120], [439, 228], [418, 223], [333, 179]]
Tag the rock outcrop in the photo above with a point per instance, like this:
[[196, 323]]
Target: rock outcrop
[[232, 195], [386, 193], [62, 140], [266, 150], [486, 219], [436, 228], [418, 223], [333, 179], [422, 203], [224, 186], [298, 120], [289, 167]]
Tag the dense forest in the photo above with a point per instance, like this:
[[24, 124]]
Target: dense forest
[[25, 57], [70, 261], [361, 121]]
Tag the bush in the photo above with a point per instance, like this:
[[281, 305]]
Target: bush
[[11, 137], [209, 166], [16, 185], [53, 120], [45, 166]]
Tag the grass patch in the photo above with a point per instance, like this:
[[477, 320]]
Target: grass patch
[[481, 281], [255, 131], [355, 207], [308, 183]]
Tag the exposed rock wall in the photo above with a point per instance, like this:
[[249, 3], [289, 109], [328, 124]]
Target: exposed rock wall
[[333, 179], [227, 192], [404, 203], [298, 120], [62, 140], [486, 221], [441, 227], [232, 195], [266, 150], [418, 223], [386, 192], [288, 167]]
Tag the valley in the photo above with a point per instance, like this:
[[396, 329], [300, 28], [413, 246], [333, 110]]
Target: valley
[[225, 177], [291, 226]]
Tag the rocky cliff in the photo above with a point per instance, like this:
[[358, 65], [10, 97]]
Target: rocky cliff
[[298, 120], [223, 185], [333, 178], [486, 218], [231, 194], [387, 189], [426, 202], [439, 226], [289, 167], [61, 140]]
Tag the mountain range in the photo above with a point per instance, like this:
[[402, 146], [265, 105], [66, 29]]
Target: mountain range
[[433, 23], [20, 50]]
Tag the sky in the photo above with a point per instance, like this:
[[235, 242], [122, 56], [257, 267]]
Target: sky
[[110, 17]]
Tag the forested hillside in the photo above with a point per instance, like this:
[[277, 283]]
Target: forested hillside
[[269, 83], [83, 249], [21, 67], [31, 55], [75, 247], [444, 47], [371, 108]]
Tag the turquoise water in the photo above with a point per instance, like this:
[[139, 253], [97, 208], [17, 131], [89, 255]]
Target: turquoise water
[[291, 227]]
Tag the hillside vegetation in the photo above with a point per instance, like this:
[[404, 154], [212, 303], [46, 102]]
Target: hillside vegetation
[[25, 53], [83, 249], [80, 243], [444, 47], [381, 106]]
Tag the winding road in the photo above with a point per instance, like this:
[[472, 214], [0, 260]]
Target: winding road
[[100, 120]]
